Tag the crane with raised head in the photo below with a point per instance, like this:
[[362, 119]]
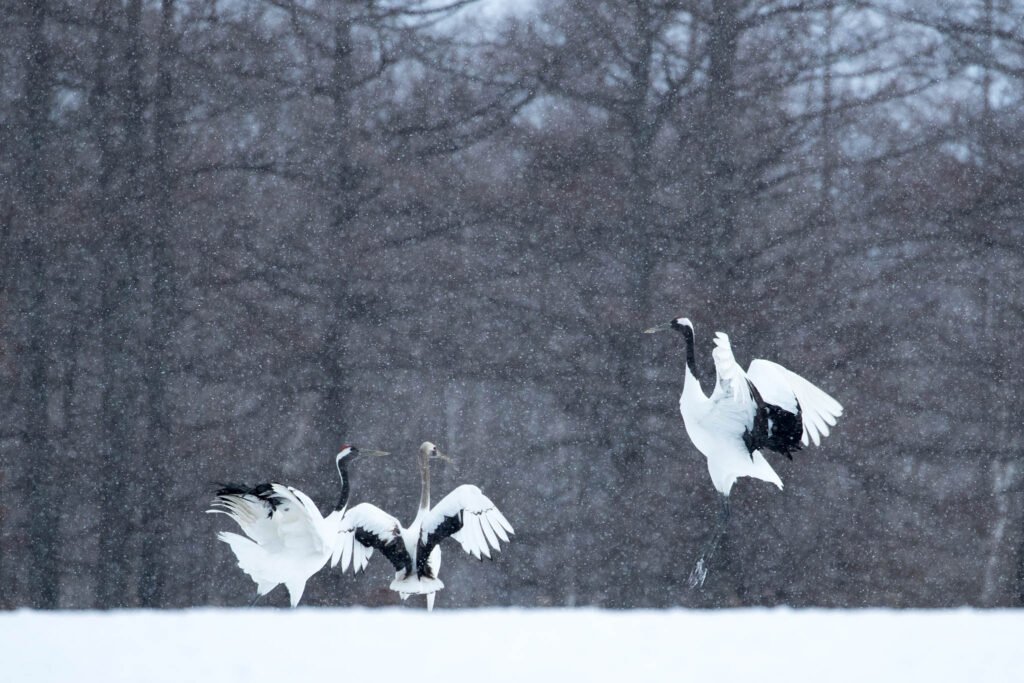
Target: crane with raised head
[[465, 515], [765, 408], [287, 539]]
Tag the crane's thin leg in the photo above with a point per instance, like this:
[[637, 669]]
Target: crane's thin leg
[[700, 571]]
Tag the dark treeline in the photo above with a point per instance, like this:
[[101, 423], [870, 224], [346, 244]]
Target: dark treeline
[[236, 234]]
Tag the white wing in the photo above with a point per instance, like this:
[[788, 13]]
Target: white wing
[[732, 381], [468, 516], [364, 528], [784, 388], [253, 513], [299, 522]]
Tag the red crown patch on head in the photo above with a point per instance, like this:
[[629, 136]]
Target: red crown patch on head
[[344, 446]]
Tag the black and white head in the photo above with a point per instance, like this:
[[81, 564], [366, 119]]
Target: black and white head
[[349, 454], [678, 324], [429, 451]]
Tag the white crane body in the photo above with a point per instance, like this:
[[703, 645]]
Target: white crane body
[[287, 539], [765, 408], [465, 514], [717, 429]]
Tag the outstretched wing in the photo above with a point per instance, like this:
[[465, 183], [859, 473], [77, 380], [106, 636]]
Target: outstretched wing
[[469, 517], [731, 384], [299, 522], [794, 394], [733, 407], [275, 516], [366, 528], [253, 510]]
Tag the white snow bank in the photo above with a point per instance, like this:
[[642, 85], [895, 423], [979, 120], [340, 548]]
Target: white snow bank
[[493, 645]]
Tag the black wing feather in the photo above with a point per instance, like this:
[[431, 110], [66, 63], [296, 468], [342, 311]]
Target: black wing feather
[[774, 428], [392, 549], [448, 526], [264, 492]]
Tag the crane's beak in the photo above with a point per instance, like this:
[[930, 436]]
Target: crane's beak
[[438, 454], [376, 454], [658, 328]]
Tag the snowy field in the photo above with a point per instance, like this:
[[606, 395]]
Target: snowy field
[[520, 645]]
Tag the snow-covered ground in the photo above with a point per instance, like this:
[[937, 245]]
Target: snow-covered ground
[[525, 646]]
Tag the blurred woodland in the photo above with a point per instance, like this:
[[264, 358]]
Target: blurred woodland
[[235, 234]]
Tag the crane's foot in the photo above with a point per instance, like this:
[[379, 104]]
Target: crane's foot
[[700, 570], [699, 573]]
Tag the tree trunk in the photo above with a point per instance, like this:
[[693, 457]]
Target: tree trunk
[[829, 154], [626, 434], [343, 193], [117, 410], [719, 136], [163, 313], [639, 249], [44, 522]]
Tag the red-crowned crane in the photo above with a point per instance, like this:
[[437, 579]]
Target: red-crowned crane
[[766, 407], [288, 539], [465, 514]]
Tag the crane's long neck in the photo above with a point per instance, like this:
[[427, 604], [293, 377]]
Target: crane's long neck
[[691, 363], [691, 383], [343, 473], [425, 484]]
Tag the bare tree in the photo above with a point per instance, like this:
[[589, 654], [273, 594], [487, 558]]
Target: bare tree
[[31, 235]]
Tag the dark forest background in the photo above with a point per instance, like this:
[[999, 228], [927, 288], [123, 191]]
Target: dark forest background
[[235, 234]]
